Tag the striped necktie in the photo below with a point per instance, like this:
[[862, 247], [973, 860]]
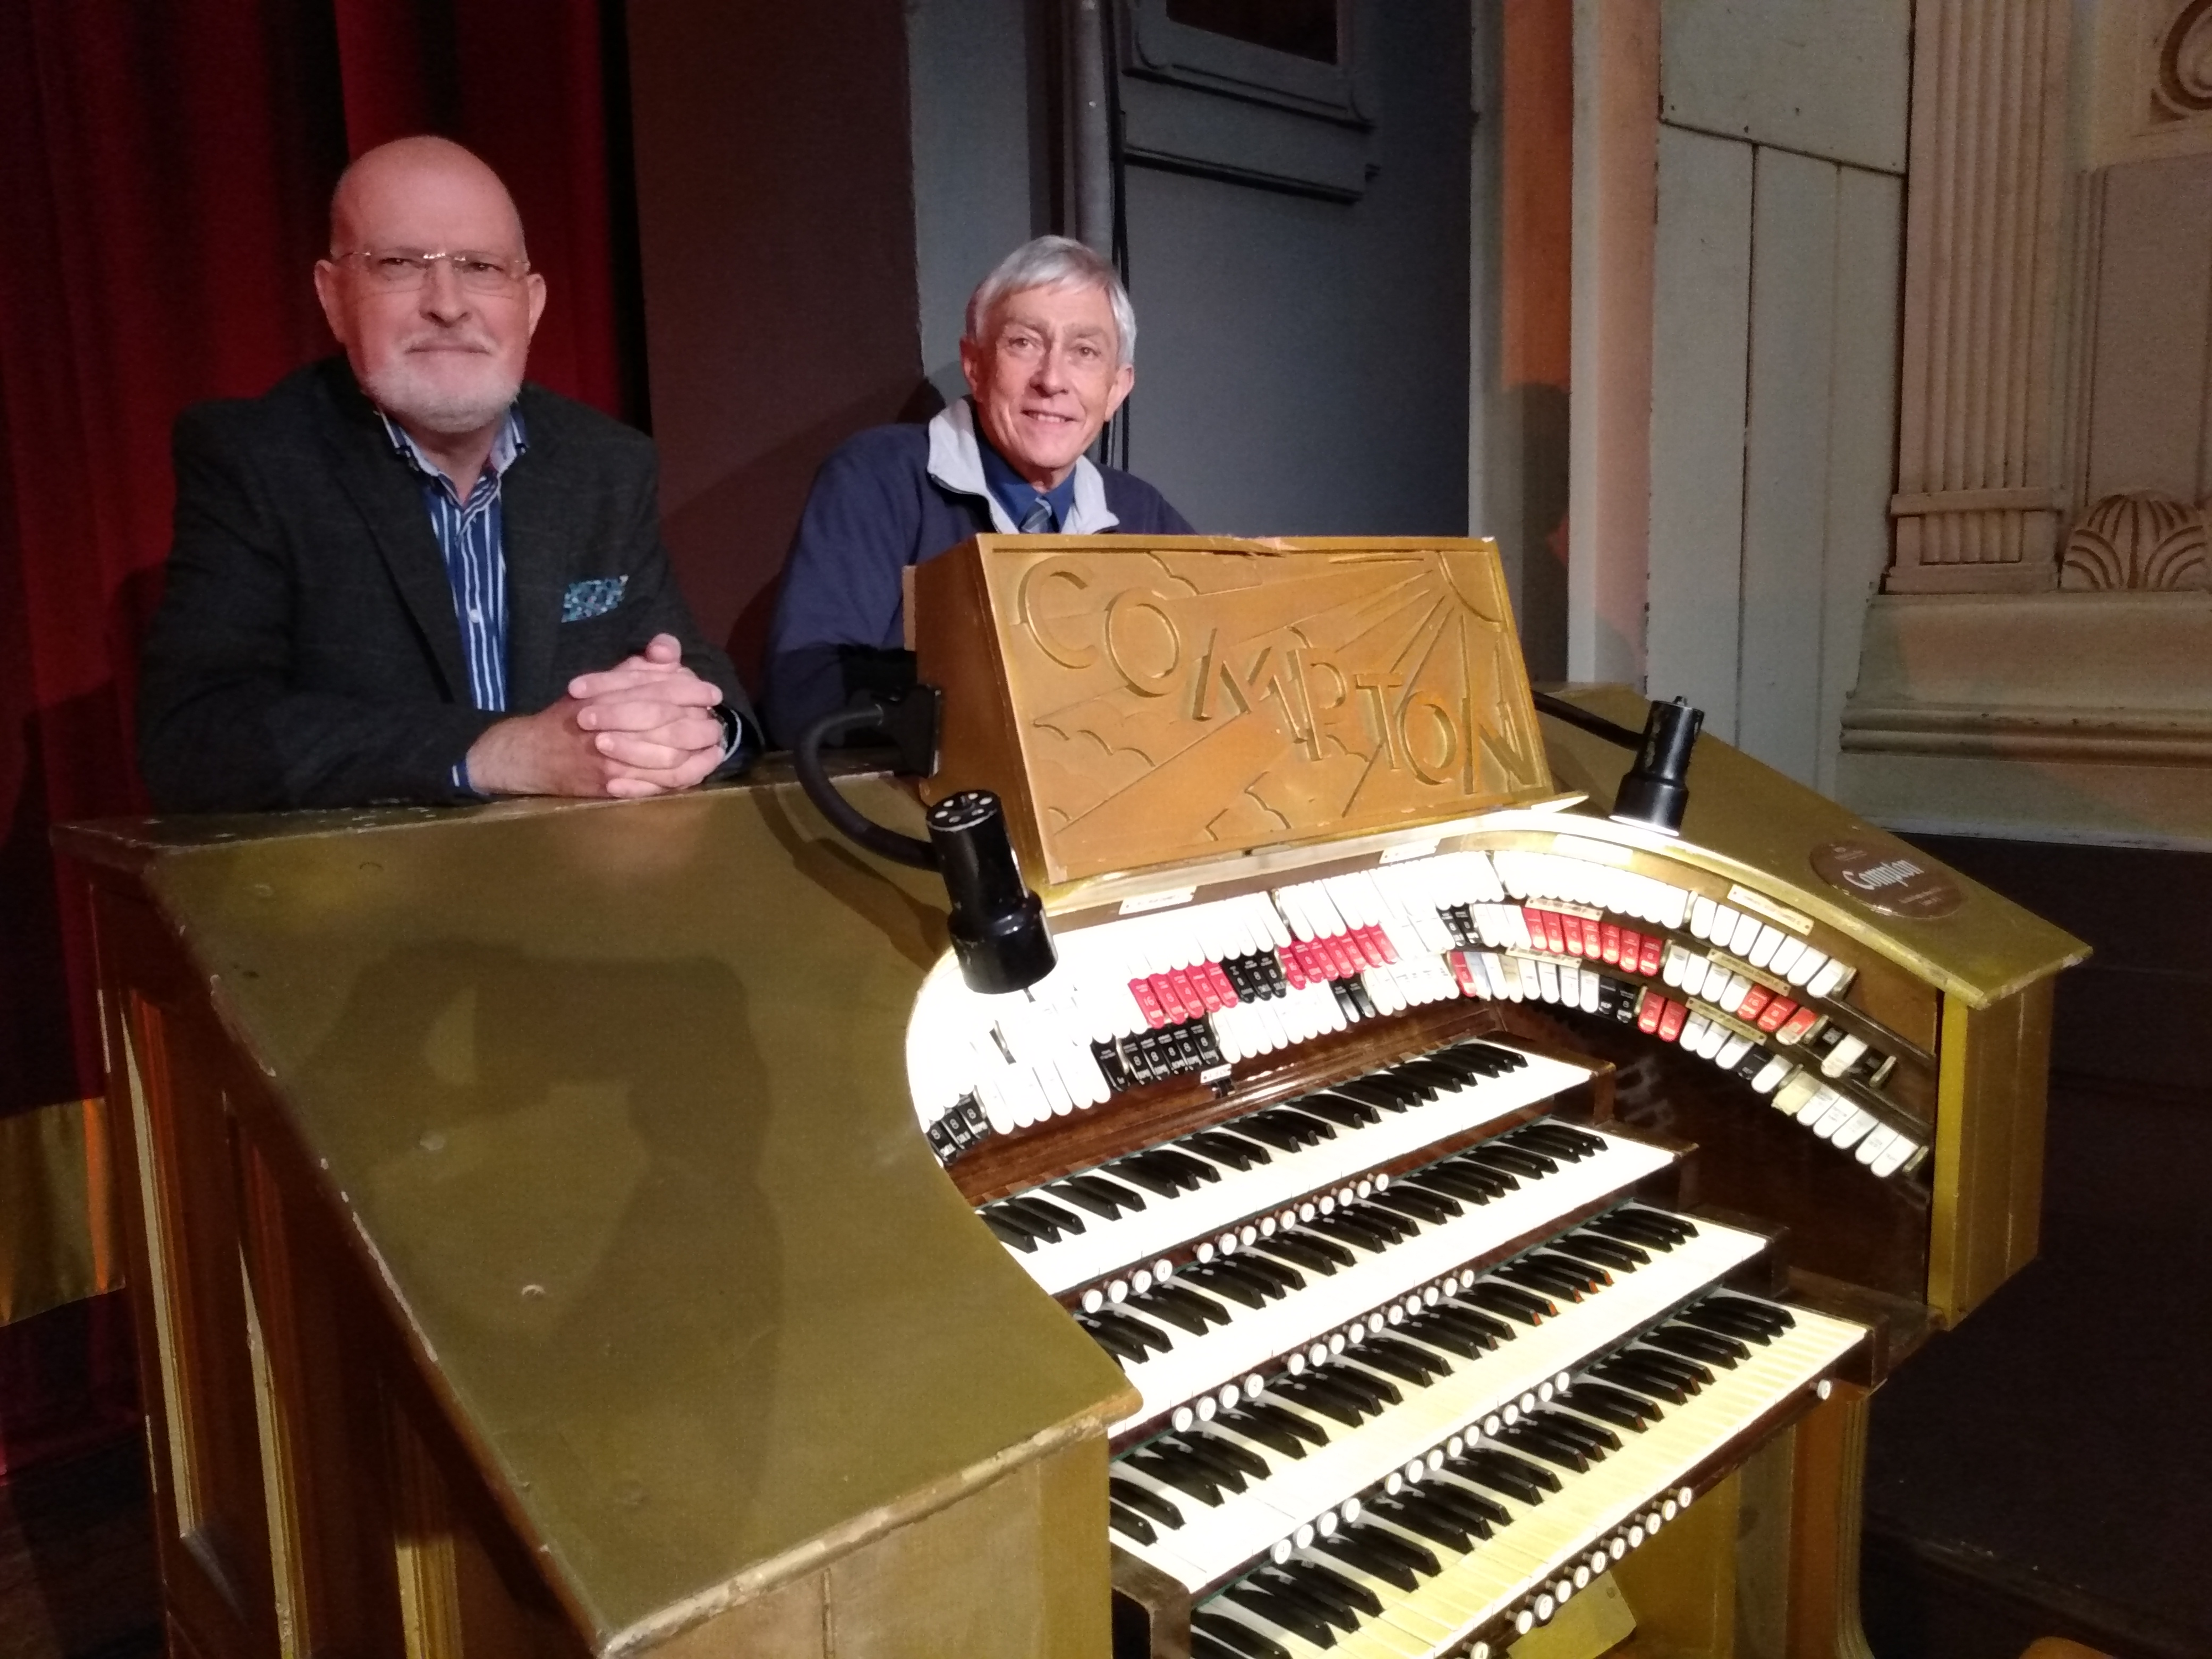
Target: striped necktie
[[1037, 521]]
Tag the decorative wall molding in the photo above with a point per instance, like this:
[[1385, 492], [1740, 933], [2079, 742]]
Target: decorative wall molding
[[1983, 245], [2139, 540], [2151, 89], [2059, 716]]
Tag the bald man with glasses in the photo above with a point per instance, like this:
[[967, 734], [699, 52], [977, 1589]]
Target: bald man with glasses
[[403, 574]]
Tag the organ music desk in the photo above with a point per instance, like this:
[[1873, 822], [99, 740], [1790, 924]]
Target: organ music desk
[[1464, 1223]]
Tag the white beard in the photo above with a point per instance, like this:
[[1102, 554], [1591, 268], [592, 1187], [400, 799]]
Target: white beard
[[403, 391]]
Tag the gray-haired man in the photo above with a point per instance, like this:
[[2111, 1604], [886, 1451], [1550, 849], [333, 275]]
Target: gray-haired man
[[1048, 353]]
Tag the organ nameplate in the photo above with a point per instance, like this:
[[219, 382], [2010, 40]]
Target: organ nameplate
[[1137, 702]]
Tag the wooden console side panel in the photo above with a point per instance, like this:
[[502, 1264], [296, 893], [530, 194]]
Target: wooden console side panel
[[1988, 1184]]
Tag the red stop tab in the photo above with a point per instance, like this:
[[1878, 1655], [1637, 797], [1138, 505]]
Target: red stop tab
[[1771, 1018], [1571, 928], [1147, 1004], [1608, 942], [1670, 1020], [1649, 953], [1754, 1002], [1223, 986], [1648, 1007], [1463, 971]]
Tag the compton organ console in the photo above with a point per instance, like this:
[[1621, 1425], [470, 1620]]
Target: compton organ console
[[1419, 1214]]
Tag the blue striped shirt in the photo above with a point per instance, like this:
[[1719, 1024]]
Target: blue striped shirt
[[472, 536]]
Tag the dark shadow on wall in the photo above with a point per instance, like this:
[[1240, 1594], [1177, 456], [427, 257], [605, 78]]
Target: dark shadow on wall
[[1537, 417]]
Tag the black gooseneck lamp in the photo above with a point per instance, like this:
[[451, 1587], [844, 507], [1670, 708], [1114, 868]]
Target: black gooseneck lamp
[[998, 933], [1656, 790]]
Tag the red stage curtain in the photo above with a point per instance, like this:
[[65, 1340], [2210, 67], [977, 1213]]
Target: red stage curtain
[[164, 170]]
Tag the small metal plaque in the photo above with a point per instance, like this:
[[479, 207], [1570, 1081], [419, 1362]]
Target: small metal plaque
[[1897, 884]]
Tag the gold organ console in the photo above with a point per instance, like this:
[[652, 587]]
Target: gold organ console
[[1419, 1214]]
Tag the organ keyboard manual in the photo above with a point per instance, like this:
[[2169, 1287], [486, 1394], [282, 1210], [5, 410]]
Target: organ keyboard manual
[[1427, 1207]]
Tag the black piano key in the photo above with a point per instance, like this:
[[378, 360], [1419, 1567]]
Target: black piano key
[[1155, 1181], [1182, 1173], [1203, 1646], [1434, 1333], [1218, 1281], [1438, 1075], [1618, 1406], [1195, 1301], [1359, 1551], [1222, 1147], [1290, 1422], [1374, 1092], [1604, 1252], [1223, 1473], [1145, 1499], [1277, 1609], [1449, 1184], [1467, 1511], [1315, 1130], [1511, 1300], [1522, 1437], [1418, 1203], [1261, 1127], [1551, 1141], [1267, 1268], [1496, 1177], [1010, 1229], [1679, 1366], [1473, 1322], [1181, 1472], [1396, 1363], [1661, 1222], [1197, 1167], [1039, 1218], [1481, 1513], [1781, 1318], [1622, 1371], [1129, 1523], [1154, 1305], [1435, 1365], [1143, 1330], [1106, 1191], [1722, 1323], [1329, 1608], [1524, 1160], [1240, 1457], [1306, 1239], [1533, 1276], [1392, 1224], [1276, 1439], [1349, 1230], [1576, 1429], [1472, 1058], [1333, 1403], [1701, 1345], [1350, 1113], [1500, 1471], [1118, 1343], [1591, 1275], [1083, 1197], [1410, 1082], [1352, 1592], [1418, 1557], [1237, 1636], [1359, 1384], [1613, 1226], [1430, 1523]]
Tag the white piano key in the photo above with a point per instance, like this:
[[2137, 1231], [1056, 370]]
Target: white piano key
[[1894, 1157], [1830, 980], [1254, 1337], [1221, 1540]]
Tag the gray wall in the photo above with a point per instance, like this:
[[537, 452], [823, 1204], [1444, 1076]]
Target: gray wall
[[1303, 367]]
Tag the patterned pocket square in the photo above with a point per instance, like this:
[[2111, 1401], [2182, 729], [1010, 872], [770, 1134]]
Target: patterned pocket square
[[594, 598]]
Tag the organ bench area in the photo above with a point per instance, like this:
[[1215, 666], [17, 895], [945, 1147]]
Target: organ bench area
[[1436, 1220]]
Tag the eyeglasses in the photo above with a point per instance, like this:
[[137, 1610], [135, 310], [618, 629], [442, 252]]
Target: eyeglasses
[[400, 270]]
